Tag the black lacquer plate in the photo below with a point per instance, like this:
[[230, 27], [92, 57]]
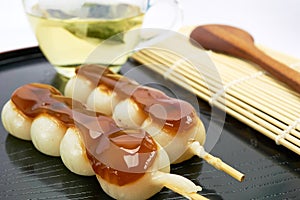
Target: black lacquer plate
[[272, 172]]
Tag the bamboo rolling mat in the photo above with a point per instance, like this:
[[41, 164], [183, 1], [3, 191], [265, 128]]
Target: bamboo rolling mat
[[248, 93]]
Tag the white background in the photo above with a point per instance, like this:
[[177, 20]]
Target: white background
[[273, 23]]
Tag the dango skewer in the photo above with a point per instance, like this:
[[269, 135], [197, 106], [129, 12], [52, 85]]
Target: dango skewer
[[172, 122], [128, 163]]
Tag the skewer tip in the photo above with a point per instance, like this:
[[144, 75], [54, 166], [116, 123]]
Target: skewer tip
[[179, 184], [219, 164], [199, 150]]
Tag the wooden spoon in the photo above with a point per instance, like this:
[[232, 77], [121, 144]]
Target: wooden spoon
[[236, 42]]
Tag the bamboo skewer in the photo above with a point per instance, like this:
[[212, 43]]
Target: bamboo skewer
[[252, 109], [198, 150], [193, 196], [179, 185]]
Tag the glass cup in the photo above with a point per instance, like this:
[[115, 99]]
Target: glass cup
[[68, 32]]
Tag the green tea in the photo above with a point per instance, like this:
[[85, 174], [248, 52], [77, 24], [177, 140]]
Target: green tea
[[67, 40]]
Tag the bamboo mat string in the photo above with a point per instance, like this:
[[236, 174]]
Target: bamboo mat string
[[232, 83], [287, 131], [172, 68], [295, 65]]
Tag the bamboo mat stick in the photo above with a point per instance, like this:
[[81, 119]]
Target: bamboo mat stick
[[239, 112]]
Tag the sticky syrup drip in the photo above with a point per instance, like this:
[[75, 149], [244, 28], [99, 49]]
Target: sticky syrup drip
[[175, 116], [118, 156]]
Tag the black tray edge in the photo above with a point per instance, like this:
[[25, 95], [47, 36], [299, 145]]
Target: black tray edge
[[18, 55]]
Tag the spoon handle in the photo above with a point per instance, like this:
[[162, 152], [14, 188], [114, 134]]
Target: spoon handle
[[280, 71], [228, 40]]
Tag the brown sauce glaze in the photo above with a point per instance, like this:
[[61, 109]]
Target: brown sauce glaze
[[133, 154], [176, 116], [118, 156], [35, 99], [173, 115]]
